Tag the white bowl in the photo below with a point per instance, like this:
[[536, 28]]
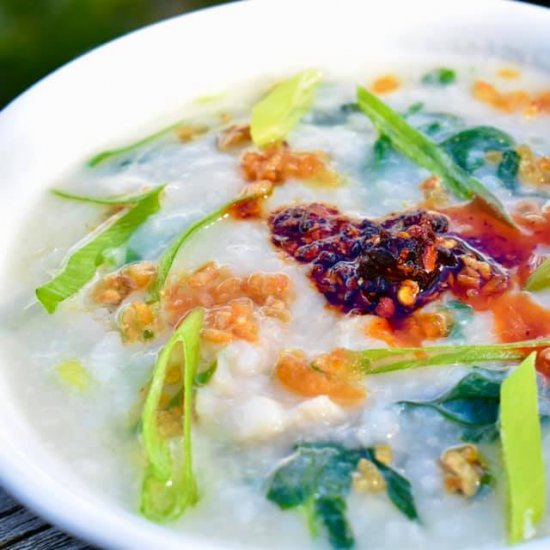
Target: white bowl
[[135, 84]]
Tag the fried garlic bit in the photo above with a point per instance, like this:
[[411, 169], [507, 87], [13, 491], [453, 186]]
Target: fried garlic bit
[[463, 470], [187, 134], [533, 169], [115, 287], [234, 137], [367, 478], [278, 163], [514, 101], [139, 322]]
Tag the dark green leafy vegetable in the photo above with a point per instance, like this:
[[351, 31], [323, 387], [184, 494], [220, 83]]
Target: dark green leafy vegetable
[[473, 403], [540, 278], [427, 154], [381, 150], [442, 76], [507, 169], [317, 477], [81, 265], [169, 255], [462, 315], [382, 360], [523, 459], [202, 378], [468, 148], [168, 489]]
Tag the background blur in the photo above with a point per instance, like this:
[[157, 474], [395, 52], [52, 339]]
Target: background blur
[[36, 36]]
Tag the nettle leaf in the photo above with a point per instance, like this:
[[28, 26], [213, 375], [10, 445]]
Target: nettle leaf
[[473, 404], [442, 76], [462, 316], [507, 169], [317, 477], [468, 148]]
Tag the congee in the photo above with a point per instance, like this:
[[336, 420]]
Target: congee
[[313, 312]]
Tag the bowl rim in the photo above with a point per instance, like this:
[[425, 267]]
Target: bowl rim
[[19, 475]]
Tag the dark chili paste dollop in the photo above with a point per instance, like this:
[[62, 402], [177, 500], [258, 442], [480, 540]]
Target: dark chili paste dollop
[[389, 266]]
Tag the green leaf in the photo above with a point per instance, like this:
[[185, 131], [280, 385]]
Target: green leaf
[[462, 316], [382, 360], [81, 265], [442, 76], [522, 451], [468, 148], [472, 403], [202, 378], [169, 488], [540, 278], [318, 477], [278, 113], [332, 513], [169, 255], [507, 169], [399, 489], [73, 373], [104, 156], [423, 151], [117, 200]]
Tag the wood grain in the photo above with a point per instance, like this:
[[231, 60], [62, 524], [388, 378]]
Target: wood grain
[[20, 529]]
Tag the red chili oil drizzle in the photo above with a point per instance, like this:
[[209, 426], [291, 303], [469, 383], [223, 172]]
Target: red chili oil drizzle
[[389, 267], [511, 247]]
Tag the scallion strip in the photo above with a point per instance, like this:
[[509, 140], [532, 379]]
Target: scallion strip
[[424, 152], [523, 460], [81, 265], [169, 255], [383, 360], [540, 278], [169, 488]]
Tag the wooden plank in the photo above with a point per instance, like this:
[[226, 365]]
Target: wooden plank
[[50, 539], [20, 529], [6, 503]]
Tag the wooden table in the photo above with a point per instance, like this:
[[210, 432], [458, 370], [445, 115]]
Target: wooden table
[[22, 530]]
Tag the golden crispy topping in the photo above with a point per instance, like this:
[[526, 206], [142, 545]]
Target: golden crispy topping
[[232, 302], [512, 102], [509, 102], [510, 73], [434, 194], [539, 105], [463, 470], [188, 133], [170, 422], [333, 375], [533, 170], [367, 478], [139, 322], [234, 137], [278, 163], [407, 293], [383, 453], [385, 84], [115, 287]]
